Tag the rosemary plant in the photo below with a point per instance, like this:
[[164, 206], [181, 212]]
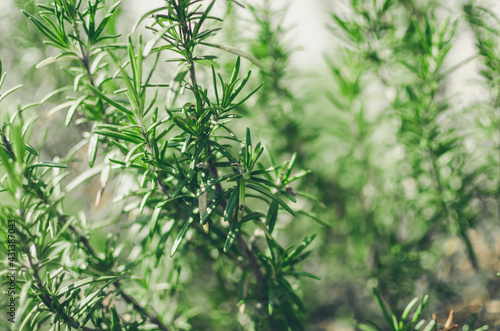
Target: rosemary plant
[[404, 322], [195, 189], [150, 203], [400, 50]]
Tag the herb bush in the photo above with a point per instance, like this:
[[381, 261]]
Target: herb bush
[[155, 208], [405, 168], [415, 167], [184, 184]]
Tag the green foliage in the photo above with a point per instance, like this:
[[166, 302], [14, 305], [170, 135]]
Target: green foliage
[[197, 187], [398, 49], [414, 323], [158, 208]]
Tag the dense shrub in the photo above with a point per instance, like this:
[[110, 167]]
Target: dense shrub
[[135, 194]]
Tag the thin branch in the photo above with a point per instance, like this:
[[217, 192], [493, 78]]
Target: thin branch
[[130, 300], [90, 250], [245, 250], [47, 297]]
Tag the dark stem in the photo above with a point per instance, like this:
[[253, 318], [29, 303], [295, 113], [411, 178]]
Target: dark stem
[[85, 61], [91, 252], [47, 298], [245, 250], [128, 299]]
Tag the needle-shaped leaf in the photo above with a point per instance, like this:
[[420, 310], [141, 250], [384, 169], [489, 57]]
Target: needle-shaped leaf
[[210, 209], [252, 216], [110, 101], [236, 70], [157, 37], [232, 235], [237, 90], [105, 20], [155, 216], [272, 216], [233, 198], [289, 195], [303, 245], [419, 309], [262, 190], [214, 78], [84, 282], [202, 19], [195, 157], [219, 148], [313, 217], [244, 99], [302, 274], [121, 136], [298, 176], [180, 236], [73, 108], [46, 31], [146, 15], [92, 150], [9, 91], [430, 326], [9, 167], [48, 164], [285, 285], [238, 52], [366, 327], [388, 318], [407, 310]]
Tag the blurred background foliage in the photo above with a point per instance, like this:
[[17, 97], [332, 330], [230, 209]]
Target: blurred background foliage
[[404, 152]]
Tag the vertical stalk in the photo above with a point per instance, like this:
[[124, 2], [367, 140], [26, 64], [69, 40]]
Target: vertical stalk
[[244, 248], [446, 208]]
